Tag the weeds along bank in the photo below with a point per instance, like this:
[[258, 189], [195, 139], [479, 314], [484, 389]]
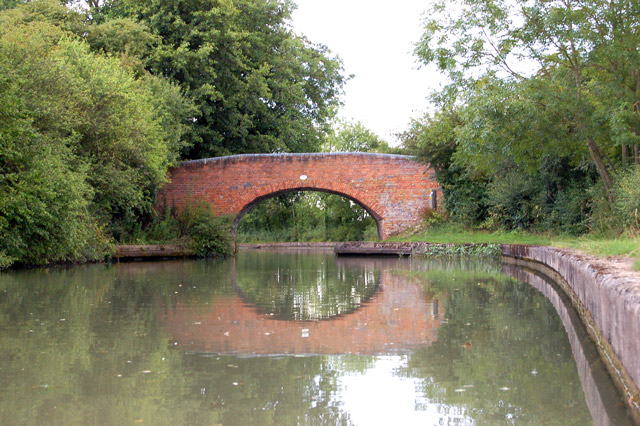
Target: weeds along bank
[[96, 104]]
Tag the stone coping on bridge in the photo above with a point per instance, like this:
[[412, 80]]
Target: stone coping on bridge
[[295, 154]]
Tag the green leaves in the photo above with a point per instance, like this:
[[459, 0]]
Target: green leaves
[[576, 103], [354, 137], [85, 140], [257, 86]]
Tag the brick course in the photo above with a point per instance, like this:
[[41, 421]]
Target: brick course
[[394, 189]]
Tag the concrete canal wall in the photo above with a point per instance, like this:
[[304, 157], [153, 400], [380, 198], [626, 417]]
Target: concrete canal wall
[[608, 300]]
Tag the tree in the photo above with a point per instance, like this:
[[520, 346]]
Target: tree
[[581, 53], [504, 160], [433, 139], [257, 86], [44, 207], [85, 141], [354, 137]]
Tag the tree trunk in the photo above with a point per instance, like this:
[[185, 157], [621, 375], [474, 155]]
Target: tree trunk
[[636, 158], [293, 216], [625, 155], [596, 156]]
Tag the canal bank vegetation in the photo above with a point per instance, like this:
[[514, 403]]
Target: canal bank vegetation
[[461, 250], [535, 138], [97, 103], [307, 216], [196, 228], [599, 245]]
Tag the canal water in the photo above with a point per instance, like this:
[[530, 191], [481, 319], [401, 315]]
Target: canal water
[[288, 338]]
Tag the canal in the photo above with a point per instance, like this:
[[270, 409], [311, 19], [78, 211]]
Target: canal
[[287, 338]]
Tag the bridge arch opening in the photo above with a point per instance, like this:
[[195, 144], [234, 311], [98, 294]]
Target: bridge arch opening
[[258, 200]]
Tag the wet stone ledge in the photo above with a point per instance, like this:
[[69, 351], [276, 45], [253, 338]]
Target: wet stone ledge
[[160, 251]]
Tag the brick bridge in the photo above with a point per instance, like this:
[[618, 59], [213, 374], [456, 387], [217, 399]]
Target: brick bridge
[[394, 189]]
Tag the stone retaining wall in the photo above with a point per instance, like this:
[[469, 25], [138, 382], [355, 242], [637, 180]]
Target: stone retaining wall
[[609, 304]]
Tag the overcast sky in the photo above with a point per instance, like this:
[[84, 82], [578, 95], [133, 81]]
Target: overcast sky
[[375, 40]]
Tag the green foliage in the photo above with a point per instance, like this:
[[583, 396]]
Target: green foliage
[[542, 94], [307, 216], [554, 198], [85, 143], [432, 217], [514, 201], [482, 156], [9, 4], [354, 137], [258, 87], [44, 207], [627, 204], [196, 227], [163, 229], [208, 233], [122, 36], [471, 250], [434, 141]]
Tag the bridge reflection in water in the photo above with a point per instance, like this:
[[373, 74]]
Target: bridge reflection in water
[[393, 315], [399, 306]]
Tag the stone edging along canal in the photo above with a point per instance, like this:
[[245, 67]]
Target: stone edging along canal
[[606, 296], [608, 300]]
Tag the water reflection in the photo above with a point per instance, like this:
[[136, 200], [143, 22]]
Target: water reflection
[[406, 341], [295, 286], [602, 398], [383, 312]]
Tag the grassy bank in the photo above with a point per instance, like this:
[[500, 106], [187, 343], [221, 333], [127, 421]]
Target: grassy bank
[[592, 244]]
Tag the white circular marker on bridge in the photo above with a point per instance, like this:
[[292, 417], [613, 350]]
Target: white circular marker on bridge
[[303, 177]]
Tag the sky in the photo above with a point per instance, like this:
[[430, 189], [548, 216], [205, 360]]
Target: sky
[[375, 40]]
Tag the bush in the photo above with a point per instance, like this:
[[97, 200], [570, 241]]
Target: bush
[[515, 201], [466, 201], [208, 234], [196, 227], [623, 215], [44, 207], [626, 207], [570, 211]]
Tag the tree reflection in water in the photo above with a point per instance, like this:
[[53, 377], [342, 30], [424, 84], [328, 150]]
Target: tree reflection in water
[[430, 342]]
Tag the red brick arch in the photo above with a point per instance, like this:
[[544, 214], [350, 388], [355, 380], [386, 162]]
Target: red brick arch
[[393, 189], [292, 186]]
